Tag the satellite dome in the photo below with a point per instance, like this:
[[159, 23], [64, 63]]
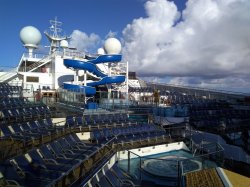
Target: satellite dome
[[64, 44], [100, 51], [30, 36], [112, 46]]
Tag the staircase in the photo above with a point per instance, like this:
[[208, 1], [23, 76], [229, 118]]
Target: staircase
[[39, 63]]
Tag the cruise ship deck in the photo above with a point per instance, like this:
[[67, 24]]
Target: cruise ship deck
[[119, 145], [69, 118]]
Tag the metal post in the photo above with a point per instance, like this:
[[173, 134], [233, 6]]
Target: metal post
[[109, 74], [127, 97], [140, 170], [190, 137], [128, 161], [25, 65], [76, 76], [178, 172], [113, 102], [85, 78]]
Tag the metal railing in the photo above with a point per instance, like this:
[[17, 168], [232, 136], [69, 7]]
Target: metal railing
[[42, 61], [7, 75], [35, 55], [133, 164], [200, 89]]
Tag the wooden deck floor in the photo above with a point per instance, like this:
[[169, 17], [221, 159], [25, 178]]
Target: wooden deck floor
[[204, 178]]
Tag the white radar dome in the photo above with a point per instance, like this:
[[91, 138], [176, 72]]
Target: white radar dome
[[30, 36], [100, 51], [112, 46], [64, 44]]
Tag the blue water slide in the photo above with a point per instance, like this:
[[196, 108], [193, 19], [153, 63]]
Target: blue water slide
[[108, 80], [91, 67], [106, 58]]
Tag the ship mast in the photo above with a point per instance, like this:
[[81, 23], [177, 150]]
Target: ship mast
[[54, 36], [55, 27]]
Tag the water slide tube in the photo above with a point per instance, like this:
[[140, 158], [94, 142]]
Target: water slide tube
[[91, 67]]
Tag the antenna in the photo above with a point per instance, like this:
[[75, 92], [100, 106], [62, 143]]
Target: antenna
[[54, 36], [55, 27]]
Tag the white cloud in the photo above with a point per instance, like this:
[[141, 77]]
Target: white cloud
[[211, 43], [83, 42]]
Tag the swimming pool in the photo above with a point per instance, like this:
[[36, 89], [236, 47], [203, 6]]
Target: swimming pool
[[163, 168], [168, 166]]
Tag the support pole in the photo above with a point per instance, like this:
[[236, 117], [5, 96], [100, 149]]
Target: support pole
[[127, 96], [109, 86], [76, 77], [85, 78], [85, 84]]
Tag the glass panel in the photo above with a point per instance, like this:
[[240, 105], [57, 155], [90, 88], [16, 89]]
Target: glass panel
[[130, 163]]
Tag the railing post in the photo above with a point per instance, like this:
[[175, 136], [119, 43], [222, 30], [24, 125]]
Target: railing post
[[128, 161], [178, 174], [140, 171]]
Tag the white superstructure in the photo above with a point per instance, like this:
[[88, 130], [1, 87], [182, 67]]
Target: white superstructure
[[47, 71]]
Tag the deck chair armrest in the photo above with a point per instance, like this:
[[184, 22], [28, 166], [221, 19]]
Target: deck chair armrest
[[50, 161]]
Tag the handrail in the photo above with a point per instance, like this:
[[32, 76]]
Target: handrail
[[11, 72], [39, 63], [180, 159], [200, 88], [34, 55]]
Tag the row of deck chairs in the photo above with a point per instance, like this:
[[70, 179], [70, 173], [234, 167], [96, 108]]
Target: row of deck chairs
[[6, 89], [220, 113], [47, 164], [209, 105], [141, 89], [29, 131], [4, 85], [96, 120], [129, 134], [112, 177], [180, 111], [13, 102], [25, 113]]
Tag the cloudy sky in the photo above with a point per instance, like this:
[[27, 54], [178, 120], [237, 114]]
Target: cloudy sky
[[202, 43], [205, 45]]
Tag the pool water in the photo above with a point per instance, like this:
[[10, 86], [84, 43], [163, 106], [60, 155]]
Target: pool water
[[162, 169], [168, 166]]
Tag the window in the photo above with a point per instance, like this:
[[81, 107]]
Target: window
[[32, 79]]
